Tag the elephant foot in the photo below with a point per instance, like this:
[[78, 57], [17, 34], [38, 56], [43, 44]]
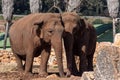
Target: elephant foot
[[20, 70], [43, 74], [27, 74], [61, 74], [90, 68], [80, 73], [75, 72], [68, 73]]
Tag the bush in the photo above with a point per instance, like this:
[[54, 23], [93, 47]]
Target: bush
[[1, 17], [98, 21]]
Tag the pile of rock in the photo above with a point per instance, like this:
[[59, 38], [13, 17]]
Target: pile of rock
[[7, 57], [108, 64], [106, 61]]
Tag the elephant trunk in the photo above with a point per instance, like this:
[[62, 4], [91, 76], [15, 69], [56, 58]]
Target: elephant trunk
[[57, 45]]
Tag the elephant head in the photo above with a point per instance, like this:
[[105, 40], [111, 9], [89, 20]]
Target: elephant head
[[73, 22], [50, 30]]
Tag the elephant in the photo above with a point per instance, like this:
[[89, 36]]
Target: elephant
[[79, 40], [33, 35]]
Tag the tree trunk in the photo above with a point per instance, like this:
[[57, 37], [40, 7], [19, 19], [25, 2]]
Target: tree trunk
[[7, 9], [114, 28], [6, 34], [113, 7], [73, 5], [35, 6]]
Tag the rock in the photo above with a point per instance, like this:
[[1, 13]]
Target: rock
[[12, 61], [52, 76], [37, 60], [1, 54], [117, 40], [88, 76], [100, 46], [52, 60], [107, 65], [6, 56], [72, 77], [7, 60], [13, 58]]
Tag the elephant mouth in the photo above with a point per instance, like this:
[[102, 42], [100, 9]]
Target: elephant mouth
[[48, 42]]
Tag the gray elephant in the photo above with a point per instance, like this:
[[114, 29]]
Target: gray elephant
[[79, 39], [33, 35]]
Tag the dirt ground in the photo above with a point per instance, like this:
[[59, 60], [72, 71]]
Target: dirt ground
[[19, 76], [8, 70]]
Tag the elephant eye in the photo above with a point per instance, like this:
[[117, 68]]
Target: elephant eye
[[50, 31]]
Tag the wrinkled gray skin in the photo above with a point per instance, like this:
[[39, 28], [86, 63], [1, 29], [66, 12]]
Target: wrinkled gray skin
[[34, 35], [79, 39]]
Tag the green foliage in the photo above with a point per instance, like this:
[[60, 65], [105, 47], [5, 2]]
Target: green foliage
[[109, 22], [98, 21], [16, 17], [1, 17]]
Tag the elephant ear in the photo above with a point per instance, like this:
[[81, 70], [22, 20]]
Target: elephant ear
[[83, 24], [39, 31]]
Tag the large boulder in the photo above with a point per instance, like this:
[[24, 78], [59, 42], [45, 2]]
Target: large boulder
[[100, 46], [108, 63]]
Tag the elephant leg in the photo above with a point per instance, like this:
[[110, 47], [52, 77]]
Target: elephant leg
[[83, 59], [71, 65], [83, 63], [29, 62], [44, 60], [19, 62], [69, 56], [90, 62], [24, 65], [74, 67]]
